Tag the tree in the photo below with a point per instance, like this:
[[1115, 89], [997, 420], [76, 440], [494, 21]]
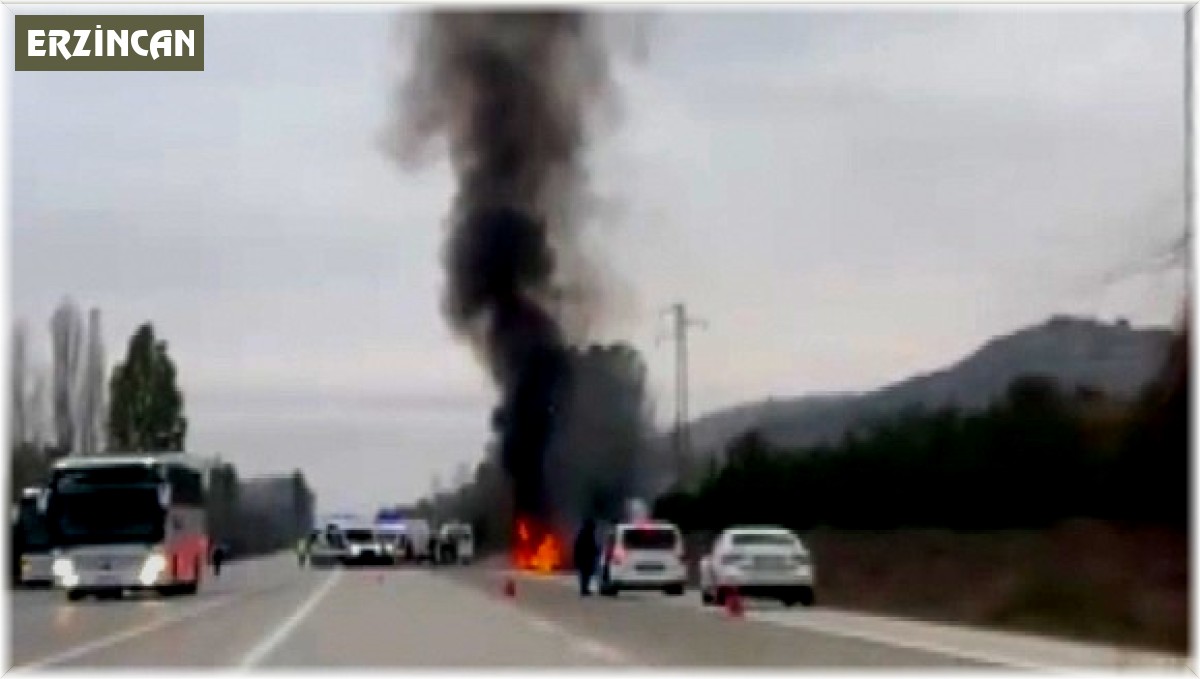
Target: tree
[[91, 433], [37, 410], [302, 506], [462, 476], [223, 502], [20, 387], [66, 336], [29, 455], [145, 405]]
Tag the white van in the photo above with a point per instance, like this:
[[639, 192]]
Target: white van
[[646, 555], [458, 541]]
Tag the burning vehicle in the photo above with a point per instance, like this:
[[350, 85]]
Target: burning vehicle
[[538, 548]]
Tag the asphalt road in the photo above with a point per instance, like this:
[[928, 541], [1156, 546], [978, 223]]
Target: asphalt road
[[270, 614]]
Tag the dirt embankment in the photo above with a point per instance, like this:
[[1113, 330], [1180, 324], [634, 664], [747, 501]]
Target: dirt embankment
[[1082, 579]]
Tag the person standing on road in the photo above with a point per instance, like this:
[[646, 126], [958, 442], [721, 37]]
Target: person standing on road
[[586, 553], [432, 545], [218, 555]]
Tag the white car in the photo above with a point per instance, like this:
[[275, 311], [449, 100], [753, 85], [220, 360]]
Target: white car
[[760, 562], [364, 546], [643, 556]]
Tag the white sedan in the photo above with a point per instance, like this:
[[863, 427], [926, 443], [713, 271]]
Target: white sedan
[[759, 562]]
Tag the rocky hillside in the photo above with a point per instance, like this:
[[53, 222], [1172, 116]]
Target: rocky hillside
[[1114, 358]]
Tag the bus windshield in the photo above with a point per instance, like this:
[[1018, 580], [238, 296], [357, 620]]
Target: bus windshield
[[116, 514]]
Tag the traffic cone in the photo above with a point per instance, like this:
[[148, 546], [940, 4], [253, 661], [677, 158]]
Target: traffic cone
[[733, 603], [510, 588]]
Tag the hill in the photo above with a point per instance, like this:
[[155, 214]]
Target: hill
[[1114, 358]]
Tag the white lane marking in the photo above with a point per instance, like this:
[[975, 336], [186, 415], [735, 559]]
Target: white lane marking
[[541, 625], [268, 645], [908, 644], [119, 637], [1066, 656], [602, 651], [582, 644]]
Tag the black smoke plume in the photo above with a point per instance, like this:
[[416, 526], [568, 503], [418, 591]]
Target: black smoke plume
[[513, 95]]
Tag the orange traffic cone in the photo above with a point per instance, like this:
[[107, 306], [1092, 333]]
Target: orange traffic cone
[[510, 588], [733, 603]]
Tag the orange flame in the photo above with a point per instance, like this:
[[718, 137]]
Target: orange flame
[[536, 550]]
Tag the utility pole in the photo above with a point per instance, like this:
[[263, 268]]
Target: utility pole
[[681, 323]]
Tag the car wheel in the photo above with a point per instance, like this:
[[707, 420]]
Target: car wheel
[[706, 597], [807, 596], [75, 594], [719, 597], [674, 590]]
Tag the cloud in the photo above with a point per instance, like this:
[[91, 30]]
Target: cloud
[[848, 196], [923, 179]]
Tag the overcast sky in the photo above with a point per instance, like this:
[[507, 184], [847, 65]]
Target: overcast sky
[[847, 196]]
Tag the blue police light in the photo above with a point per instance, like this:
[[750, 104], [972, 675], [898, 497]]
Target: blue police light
[[389, 516]]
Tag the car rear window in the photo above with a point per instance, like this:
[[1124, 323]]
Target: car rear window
[[773, 539], [649, 538], [359, 535]]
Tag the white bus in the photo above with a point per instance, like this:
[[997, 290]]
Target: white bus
[[128, 522]]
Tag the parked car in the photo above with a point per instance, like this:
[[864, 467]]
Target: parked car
[[760, 562]]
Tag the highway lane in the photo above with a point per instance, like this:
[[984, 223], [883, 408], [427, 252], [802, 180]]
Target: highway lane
[[186, 631], [771, 635], [415, 618], [653, 630], [268, 613]]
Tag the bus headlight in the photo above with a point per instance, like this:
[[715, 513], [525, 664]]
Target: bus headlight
[[153, 567], [62, 567]]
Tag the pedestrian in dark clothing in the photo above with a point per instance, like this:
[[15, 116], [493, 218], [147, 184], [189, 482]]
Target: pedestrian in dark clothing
[[218, 556], [586, 553]]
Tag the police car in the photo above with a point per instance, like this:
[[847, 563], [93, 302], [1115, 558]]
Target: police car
[[643, 555]]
